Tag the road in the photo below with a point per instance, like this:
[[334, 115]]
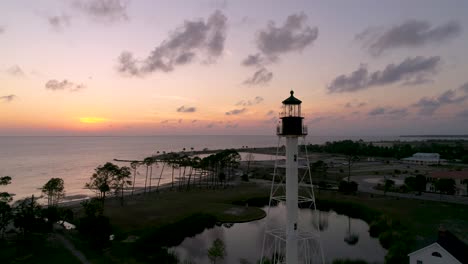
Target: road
[[68, 245], [368, 187]]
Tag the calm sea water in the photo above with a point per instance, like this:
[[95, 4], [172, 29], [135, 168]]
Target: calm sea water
[[32, 161], [244, 240]]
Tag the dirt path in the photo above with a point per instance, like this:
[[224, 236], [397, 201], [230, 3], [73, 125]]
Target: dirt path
[[75, 252]]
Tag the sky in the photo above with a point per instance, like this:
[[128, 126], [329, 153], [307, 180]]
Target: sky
[[127, 67]]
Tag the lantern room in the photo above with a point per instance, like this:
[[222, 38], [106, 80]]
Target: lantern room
[[291, 119]]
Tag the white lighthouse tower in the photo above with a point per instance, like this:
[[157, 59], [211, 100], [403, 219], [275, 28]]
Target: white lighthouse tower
[[292, 242]]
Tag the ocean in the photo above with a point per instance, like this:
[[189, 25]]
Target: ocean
[[32, 161]]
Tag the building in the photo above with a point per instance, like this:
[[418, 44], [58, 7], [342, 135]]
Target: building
[[423, 159], [460, 178], [448, 249]]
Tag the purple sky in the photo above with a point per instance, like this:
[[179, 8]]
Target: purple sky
[[110, 67]]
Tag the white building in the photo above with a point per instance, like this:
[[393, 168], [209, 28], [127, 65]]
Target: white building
[[448, 249], [423, 158], [460, 178]]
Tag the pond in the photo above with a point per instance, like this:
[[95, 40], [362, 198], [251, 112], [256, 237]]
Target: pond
[[243, 241]]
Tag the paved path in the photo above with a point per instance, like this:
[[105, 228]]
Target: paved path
[[72, 248], [368, 187]]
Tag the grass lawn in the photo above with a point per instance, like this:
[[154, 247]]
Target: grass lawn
[[143, 214], [154, 209]]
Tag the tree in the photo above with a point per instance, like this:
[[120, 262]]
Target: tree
[[348, 187], [249, 157], [102, 179], [319, 168], [171, 159], [417, 183], [446, 186], [5, 209], [216, 251], [92, 207], [5, 217], [466, 183], [351, 160], [148, 162], [194, 164], [5, 180], [27, 216], [54, 189], [120, 181], [94, 226], [134, 165], [388, 185], [4, 196]]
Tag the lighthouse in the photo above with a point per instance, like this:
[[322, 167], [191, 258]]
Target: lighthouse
[[289, 243], [291, 128]]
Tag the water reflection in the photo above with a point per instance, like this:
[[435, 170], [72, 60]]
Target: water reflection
[[350, 237], [243, 241]]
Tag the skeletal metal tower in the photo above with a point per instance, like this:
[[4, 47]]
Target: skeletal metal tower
[[288, 240]]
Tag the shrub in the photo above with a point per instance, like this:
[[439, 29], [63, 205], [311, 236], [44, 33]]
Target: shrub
[[245, 177], [386, 238], [348, 187], [378, 226], [398, 253]]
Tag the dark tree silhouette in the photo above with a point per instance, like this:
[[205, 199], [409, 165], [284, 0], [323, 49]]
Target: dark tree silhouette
[[5, 196], [134, 165], [121, 181], [104, 179], [446, 186], [6, 213], [54, 190], [417, 183], [27, 216], [388, 185], [148, 162]]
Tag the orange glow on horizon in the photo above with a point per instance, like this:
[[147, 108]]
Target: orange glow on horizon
[[93, 120]]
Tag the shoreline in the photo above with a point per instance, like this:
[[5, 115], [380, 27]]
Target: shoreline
[[79, 194]]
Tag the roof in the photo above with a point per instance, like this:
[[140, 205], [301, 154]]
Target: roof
[[431, 248], [423, 154], [453, 245], [291, 100], [450, 174], [422, 159], [449, 243]]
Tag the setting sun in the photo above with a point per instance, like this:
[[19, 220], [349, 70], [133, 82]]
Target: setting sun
[[93, 120]]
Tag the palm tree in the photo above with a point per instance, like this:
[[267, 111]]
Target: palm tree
[[160, 175], [171, 159], [194, 163], [153, 161], [148, 161], [134, 165]]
